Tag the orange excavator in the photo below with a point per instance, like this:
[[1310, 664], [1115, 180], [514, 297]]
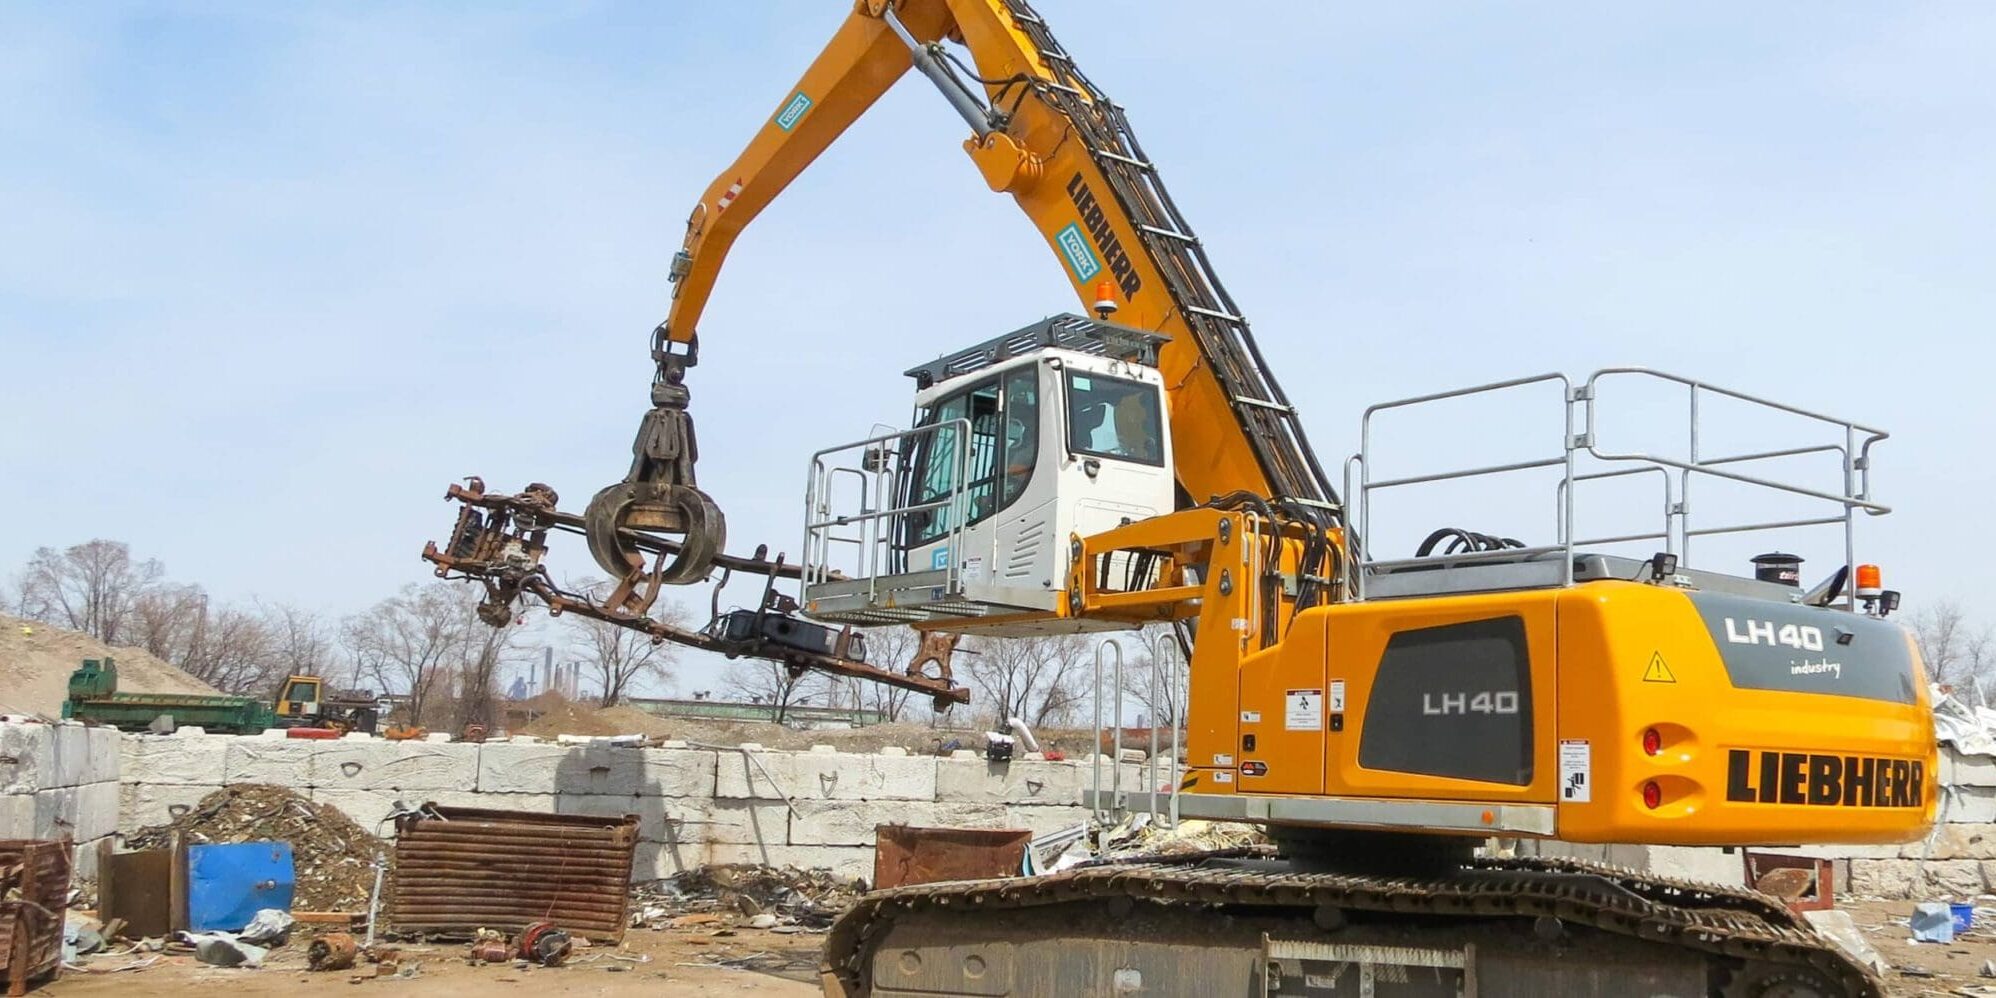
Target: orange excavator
[[1383, 717]]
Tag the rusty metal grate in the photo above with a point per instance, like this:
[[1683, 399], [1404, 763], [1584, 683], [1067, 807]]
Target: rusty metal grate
[[31, 926], [458, 869]]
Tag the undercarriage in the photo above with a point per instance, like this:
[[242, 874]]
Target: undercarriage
[[1227, 924]]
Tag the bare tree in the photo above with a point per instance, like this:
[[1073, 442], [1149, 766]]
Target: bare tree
[[167, 620], [1042, 679], [765, 682], [890, 648], [90, 587], [299, 642], [1957, 650], [411, 642], [231, 650], [618, 656], [477, 680], [1154, 679]]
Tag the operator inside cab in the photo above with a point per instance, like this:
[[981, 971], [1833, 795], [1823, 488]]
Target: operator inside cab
[[1114, 418]]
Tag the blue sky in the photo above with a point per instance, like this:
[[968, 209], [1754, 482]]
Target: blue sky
[[272, 275]]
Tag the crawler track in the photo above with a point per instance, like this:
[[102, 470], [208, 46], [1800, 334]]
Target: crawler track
[[1751, 944]]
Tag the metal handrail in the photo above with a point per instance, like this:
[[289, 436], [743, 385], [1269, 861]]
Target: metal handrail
[[879, 528], [1364, 457], [1581, 407]]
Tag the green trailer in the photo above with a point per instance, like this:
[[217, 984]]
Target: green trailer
[[94, 697]]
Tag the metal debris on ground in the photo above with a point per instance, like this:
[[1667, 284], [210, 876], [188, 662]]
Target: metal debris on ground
[[332, 855], [332, 951], [223, 949], [727, 895], [545, 943]]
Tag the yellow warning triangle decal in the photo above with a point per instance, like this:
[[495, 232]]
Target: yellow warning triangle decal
[[1658, 672]]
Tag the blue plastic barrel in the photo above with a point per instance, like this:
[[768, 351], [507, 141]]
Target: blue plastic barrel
[[228, 884]]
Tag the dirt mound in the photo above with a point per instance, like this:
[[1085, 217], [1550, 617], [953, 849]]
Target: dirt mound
[[552, 715], [36, 660], [332, 856]]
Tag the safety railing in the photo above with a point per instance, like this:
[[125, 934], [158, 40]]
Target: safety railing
[[1580, 457], [1166, 688], [859, 533]]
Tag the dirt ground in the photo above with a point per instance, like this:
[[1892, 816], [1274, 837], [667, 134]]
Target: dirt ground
[[1955, 968], [705, 961], [665, 964]]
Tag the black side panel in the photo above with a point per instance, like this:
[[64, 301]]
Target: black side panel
[[1807, 649], [1453, 701]]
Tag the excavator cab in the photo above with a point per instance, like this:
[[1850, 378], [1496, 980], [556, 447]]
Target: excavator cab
[[1020, 443]]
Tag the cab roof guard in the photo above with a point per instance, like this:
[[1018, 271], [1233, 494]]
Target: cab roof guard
[[1067, 331]]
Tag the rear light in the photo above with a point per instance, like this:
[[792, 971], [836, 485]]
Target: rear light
[[1652, 742], [1652, 795]]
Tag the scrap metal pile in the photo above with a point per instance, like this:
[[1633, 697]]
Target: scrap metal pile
[[499, 541], [333, 856], [757, 896]]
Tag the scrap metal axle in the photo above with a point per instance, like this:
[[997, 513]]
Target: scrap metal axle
[[499, 541]]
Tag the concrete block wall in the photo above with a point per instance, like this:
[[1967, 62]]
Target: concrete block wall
[[696, 806], [59, 781]]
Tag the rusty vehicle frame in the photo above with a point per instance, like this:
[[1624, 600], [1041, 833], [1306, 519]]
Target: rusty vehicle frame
[[499, 541]]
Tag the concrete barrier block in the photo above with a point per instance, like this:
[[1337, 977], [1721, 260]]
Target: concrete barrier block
[[96, 810], [1970, 805], [85, 861], [252, 760], [679, 772], [1883, 879], [27, 757], [1016, 782], [17, 816], [688, 821], [407, 766], [531, 803], [144, 805], [809, 776], [853, 823], [1966, 770], [55, 813], [1953, 841], [176, 761], [1042, 820], [72, 754], [1709, 864], [366, 807], [1910, 878], [593, 768], [852, 862], [106, 753]]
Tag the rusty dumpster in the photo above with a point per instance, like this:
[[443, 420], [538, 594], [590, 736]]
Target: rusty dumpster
[[904, 855], [460, 869], [35, 873]]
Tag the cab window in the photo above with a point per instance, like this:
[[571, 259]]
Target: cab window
[[1003, 443], [1114, 418]]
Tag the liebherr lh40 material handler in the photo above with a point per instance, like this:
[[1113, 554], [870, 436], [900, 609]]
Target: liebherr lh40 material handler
[[1381, 717]]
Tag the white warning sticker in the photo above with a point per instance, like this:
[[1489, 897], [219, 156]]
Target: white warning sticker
[[1223, 777], [1337, 696], [1576, 771], [1303, 710], [1250, 717], [1222, 759]]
